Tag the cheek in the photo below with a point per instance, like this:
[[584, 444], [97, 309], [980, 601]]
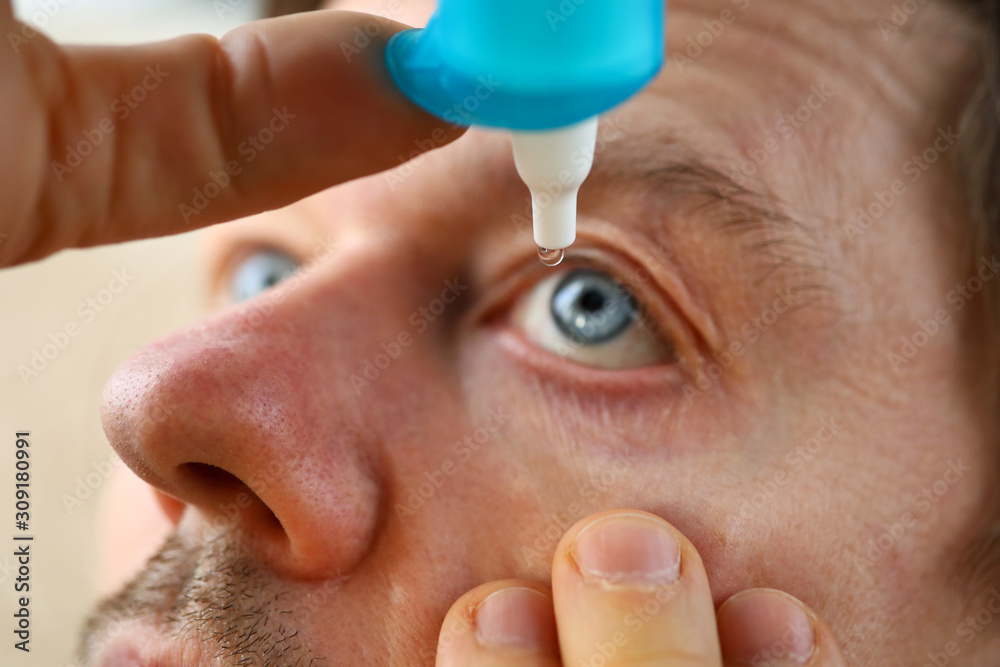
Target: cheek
[[132, 528]]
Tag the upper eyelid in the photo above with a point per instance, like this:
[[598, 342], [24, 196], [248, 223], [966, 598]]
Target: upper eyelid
[[658, 311]]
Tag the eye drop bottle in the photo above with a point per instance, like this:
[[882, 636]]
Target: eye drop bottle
[[543, 69]]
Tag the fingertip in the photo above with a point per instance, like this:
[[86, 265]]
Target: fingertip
[[517, 617], [499, 623], [678, 558], [628, 583], [765, 626]]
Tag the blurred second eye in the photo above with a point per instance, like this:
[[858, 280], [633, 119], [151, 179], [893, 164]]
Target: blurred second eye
[[588, 317], [259, 271]]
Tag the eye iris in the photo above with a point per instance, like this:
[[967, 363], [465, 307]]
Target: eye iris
[[260, 271], [589, 307]]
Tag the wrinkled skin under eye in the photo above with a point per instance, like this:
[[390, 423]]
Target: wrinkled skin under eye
[[258, 272], [588, 317]]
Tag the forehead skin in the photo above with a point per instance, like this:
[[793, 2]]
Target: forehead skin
[[882, 102]]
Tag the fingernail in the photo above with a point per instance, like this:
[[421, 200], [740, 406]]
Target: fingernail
[[517, 617], [628, 549], [765, 629]]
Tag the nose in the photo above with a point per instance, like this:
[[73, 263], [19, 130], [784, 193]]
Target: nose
[[246, 420]]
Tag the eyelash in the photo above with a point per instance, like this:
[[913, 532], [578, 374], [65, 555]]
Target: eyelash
[[529, 274]]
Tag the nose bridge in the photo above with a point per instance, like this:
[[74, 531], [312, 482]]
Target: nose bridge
[[251, 417]]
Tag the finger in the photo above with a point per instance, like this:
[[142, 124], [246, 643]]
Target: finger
[[763, 627], [500, 623], [631, 590], [110, 144]]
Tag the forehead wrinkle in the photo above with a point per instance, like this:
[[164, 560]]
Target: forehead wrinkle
[[786, 45]]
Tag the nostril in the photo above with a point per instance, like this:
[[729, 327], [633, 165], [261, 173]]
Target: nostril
[[227, 490], [222, 482]]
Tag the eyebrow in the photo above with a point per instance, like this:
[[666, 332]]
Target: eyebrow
[[787, 242]]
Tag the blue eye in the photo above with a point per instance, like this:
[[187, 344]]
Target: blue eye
[[586, 316], [260, 271], [591, 308]]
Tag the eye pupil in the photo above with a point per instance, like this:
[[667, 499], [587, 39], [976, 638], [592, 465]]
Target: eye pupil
[[592, 301], [590, 307]]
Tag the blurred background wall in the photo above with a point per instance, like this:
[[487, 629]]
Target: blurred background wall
[[70, 457]]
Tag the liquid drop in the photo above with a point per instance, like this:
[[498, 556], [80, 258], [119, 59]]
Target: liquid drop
[[551, 257]]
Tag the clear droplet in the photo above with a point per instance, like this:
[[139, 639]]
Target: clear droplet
[[551, 257]]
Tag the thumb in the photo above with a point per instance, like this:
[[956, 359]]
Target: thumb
[[117, 143]]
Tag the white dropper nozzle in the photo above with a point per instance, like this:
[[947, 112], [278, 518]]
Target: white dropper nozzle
[[554, 164]]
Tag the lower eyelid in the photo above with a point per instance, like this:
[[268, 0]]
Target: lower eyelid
[[665, 381]]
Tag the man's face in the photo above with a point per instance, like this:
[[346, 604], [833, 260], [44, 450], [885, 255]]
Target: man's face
[[783, 379]]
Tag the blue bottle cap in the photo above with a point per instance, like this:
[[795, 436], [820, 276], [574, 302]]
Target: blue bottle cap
[[529, 64]]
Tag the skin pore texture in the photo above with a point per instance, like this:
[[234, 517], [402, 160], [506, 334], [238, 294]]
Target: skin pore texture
[[770, 411]]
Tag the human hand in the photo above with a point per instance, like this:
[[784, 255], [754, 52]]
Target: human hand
[[651, 607], [108, 144]]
